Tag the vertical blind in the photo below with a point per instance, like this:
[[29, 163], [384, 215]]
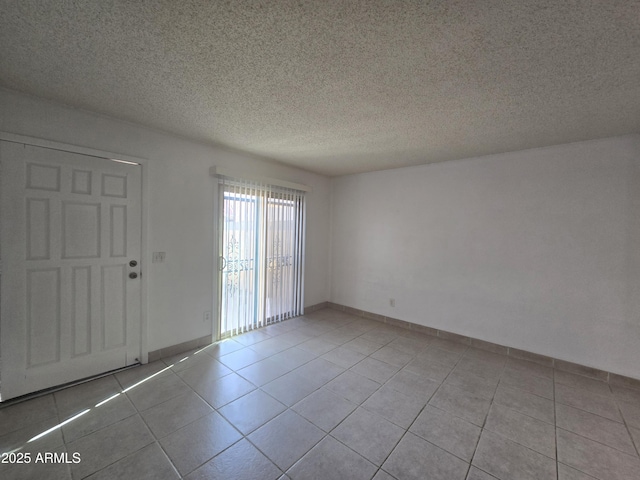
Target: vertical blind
[[261, 254]]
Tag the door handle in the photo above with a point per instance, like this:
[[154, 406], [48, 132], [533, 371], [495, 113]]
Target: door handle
[[133, 275], [224, 263]]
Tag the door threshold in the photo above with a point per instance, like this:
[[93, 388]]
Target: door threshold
[[57, 388]]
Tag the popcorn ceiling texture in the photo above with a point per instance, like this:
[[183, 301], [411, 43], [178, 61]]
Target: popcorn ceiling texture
[[338, 87]]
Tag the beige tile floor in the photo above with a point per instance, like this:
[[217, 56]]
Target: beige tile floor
[[332, 396]]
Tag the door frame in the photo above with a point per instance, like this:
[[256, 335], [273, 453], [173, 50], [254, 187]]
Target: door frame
[[217, 243], [144, 254], [218, 216]]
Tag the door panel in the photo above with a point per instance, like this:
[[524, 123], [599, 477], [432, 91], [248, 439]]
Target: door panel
[[70, 227], [43, 316], [81, 311], [240, 305]]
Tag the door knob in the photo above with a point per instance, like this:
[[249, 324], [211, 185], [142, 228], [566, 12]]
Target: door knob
[[133, 275]]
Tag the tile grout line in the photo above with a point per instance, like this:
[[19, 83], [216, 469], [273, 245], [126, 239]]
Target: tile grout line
[[627, 428], [406, 325], [151, 432], [64, 442], [157, 440], [360, 405], [137, 411], [242, 435], [129, 453], [400, 369], [325, 434], [482, 428], [334, 328], [407, 429], [419, 413], [614, 398], [599, 416], [290, 408], [624, 420], [191, 423], [599, 443]]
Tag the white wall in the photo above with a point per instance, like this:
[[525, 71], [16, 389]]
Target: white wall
[[537, 250], [181, 207]]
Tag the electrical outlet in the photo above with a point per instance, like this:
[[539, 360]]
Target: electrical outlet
[[207, 317], [392, 302], [157, 257]]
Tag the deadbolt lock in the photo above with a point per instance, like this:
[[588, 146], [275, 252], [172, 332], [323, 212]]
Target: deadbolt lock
[[133, 263]]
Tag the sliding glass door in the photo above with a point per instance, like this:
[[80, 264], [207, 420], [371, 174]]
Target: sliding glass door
[[261, 255], [239, 269]]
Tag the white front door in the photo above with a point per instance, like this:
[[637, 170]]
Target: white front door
[[70, 285]]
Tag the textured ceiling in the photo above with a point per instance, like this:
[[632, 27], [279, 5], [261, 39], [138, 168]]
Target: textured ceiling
[[338, 86]]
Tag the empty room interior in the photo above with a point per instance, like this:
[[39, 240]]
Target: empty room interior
[[320, 240]]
